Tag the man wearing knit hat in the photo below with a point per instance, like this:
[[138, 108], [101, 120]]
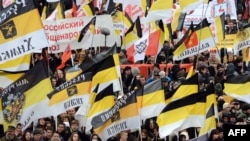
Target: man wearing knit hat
[[226, 110]]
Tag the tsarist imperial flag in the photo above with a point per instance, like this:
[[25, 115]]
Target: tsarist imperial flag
[[200, 40], [21, 30], [242, 39], [21, 63], [6, 78], [220, 27], [188, 5], [191, 111], [160, 9], [25, 100], [151, 101], [122, 116], [238, 87], [70, 94], [100, 102]]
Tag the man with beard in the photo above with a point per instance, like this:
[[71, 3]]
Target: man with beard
[[10, 135]]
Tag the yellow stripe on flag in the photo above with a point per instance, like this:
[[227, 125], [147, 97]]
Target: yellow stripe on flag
[[1, 112], [28, 101], [175, 21], [19, 64], [191, 72], [102, 105], [60, 12], [238, 87], [82, 88], [186, 88], [100, 102], [220, 27], [245, 54], [193, 114], [7, 78], [185, 111], [22, 21], [188, 5], [160, 10], [44, 15], [71, 74], [122, 118]]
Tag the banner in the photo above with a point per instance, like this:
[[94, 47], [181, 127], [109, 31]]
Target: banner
[[242, 40], [220, 6], [133, 8], [62, 32], [228, 42], [210, 11], [196, 15]]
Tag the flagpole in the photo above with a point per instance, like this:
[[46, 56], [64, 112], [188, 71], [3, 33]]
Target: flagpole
[[123, 29], [218, 51], [72, 60], [33, 60], [202, 16], [92, 38], [225, 51]]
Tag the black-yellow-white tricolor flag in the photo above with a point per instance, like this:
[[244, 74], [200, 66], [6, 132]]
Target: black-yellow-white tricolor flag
[[21, 30]]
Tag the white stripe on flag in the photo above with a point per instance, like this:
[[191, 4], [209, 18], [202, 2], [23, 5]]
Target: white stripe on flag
[[67, 104], [151, 111], [191, 121], [125, 124], [23, 45]]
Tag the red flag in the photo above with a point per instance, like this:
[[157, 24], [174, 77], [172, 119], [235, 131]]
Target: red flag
[[74, 9], [153, 45], [130, 53], [65, 57]]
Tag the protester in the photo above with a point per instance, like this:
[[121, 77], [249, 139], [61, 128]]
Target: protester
[[95, 137], [49, 134], [37, 135], [214, 135], [211, 69], [74, 137], [10, 135], [56, 137], [26, 136]]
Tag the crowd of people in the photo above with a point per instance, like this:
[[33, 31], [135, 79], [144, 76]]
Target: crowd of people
[[213, 67], [210, 69]]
